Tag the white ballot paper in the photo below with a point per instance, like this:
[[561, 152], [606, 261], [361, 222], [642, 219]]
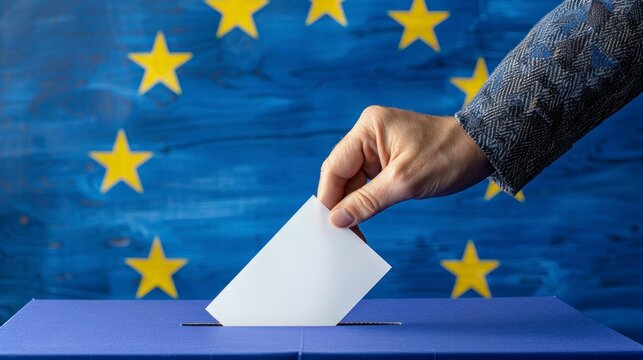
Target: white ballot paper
[[309, 274]]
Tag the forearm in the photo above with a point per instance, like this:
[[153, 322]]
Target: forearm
[[578, 65]]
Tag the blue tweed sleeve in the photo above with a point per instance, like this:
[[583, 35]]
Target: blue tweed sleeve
[[582, 62]]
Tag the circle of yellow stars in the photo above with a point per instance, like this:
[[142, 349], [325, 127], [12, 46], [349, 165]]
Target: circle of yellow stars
[[160, 67]]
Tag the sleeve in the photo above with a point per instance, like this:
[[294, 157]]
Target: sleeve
[[582, 62]]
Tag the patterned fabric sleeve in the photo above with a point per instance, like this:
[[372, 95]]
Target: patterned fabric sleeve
[[579, 64]]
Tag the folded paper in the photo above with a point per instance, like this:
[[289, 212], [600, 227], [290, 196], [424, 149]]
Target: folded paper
[[309, 274]]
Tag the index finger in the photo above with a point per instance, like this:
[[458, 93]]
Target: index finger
[[344, 162]]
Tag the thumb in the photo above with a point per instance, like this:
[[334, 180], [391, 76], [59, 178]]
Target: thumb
[[375, 196]]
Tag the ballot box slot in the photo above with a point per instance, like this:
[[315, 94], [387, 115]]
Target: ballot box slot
[[369, 323], [350, 323]]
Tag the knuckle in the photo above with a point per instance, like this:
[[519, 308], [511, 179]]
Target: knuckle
[[329, 165], [367, 201], [330, 162], [373, 112], [324, 166], [402, 177], [400, 174]]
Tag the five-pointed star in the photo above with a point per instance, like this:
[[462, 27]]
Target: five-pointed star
[[160, 65], [121, 164], [470, 272], [332, 8], [156, 271], [237, 13], [493, 189], [418, 23], [471, 86]]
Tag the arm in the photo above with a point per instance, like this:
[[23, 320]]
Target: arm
[[578, 65]]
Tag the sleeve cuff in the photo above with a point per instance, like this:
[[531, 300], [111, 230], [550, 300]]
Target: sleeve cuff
[[469, 123]]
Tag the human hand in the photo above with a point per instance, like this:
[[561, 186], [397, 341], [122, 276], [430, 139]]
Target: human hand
[[406, 155]]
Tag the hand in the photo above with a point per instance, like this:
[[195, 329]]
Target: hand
[[406, 155]]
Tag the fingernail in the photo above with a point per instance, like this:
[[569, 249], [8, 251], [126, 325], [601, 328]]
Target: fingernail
[[341, 218]]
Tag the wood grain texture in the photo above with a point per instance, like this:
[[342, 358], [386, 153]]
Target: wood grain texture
[[239, 151]]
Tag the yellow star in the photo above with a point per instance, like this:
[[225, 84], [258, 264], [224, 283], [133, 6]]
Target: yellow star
[[332, 8], [471, 86], [121, 164], [418, 23], [160, 65], [470, 272], [237, 13], [493, 189], [156, 271]]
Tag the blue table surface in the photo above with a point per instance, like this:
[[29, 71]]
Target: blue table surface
[[499, 328]]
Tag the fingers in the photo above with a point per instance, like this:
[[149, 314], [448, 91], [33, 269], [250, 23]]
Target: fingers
[[375, 196], [343, 163], [343, 180], [353, 184]]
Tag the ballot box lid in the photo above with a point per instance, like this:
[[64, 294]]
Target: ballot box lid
[[499, 328]]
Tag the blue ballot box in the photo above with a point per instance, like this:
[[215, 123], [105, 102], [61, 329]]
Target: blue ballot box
[[501, 328]]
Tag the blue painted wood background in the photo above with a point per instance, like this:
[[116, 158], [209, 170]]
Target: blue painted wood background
[[239, 151]]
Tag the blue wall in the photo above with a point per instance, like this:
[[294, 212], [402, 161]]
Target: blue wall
[[239, 151]]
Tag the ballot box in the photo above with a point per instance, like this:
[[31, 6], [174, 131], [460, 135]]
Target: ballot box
[[501, 328]]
